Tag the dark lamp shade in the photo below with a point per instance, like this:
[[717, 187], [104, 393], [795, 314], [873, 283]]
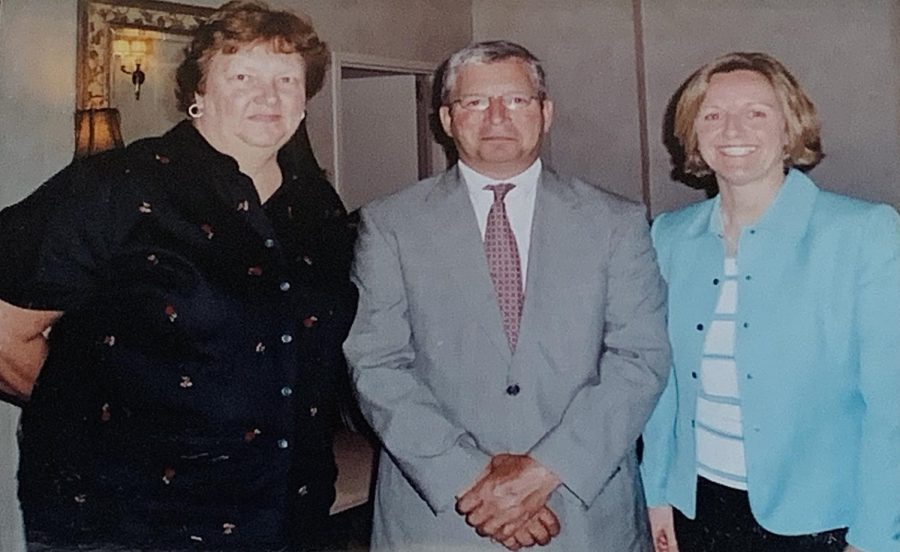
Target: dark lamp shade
[[97, 130]]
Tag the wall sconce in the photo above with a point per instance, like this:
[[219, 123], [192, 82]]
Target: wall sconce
[[135, 48], [97, 130]]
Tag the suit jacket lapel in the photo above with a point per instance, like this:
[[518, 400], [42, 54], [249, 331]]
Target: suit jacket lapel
[[554, 239], [459, 245]]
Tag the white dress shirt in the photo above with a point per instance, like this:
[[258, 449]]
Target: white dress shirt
[[519, 203]]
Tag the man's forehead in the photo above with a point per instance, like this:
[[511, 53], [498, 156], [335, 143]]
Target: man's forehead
[[483, 63], [512, 70]]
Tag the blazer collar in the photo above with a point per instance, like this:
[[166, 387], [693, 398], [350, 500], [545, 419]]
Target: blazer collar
[[787, 217], [450, 182], [554, 234]]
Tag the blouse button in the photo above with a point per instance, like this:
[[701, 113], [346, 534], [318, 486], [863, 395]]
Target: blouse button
[[313, 410], [269, 243], [286, 391], [287, 338], [282, 443], [284, 286], [694, 375], [700, 327], [513, 390], [302, 491], [715, 281]]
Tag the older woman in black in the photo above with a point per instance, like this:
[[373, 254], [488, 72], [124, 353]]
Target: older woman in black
[[197, 288]]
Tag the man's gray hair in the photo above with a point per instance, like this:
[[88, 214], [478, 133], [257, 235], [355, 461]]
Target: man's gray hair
[[490, 52]]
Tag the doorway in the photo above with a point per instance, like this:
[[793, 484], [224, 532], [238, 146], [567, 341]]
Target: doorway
[[382, 136]]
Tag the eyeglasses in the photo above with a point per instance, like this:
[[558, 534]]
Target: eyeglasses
[[512, 102]]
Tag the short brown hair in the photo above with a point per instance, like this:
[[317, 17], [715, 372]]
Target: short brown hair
[[242, 22], [804, 146]]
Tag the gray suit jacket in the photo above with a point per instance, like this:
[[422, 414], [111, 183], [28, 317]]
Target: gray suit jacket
[[431, 364]]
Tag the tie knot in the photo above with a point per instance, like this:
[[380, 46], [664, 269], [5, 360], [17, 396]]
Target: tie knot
[[500, 190]]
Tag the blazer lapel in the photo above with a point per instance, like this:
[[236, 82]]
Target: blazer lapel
[[459, 245], [554, 240]]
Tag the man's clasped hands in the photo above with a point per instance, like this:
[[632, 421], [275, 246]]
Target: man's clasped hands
[[508, 502]]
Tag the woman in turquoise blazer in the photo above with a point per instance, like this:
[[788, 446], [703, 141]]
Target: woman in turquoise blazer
[[780, 425]]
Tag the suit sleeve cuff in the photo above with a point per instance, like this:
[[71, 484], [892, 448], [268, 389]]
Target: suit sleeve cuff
[[440, 480], [576, 472]]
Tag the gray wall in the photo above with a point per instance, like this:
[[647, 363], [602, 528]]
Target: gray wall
[[37, 92], [844, 52]]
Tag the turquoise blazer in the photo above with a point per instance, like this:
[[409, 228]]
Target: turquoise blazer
[[818, 358]]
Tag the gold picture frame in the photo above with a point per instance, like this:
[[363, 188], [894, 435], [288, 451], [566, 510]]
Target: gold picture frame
[[97, 21]]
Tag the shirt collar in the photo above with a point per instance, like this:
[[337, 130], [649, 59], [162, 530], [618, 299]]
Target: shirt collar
[[525, 181], [295, 158]]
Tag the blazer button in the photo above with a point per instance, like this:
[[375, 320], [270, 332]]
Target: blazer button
[[513, 390]]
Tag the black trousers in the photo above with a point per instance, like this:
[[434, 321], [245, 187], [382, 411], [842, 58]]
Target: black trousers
[[725, 524]]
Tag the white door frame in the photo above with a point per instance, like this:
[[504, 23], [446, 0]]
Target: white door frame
[[343, 60]]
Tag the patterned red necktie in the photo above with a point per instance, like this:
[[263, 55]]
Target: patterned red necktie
[[503, 260]]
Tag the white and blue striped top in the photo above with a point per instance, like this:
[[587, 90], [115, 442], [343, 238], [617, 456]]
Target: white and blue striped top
[[719, 434]]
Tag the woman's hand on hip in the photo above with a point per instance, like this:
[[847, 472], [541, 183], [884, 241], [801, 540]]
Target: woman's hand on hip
[[23, 347], [662, 529]]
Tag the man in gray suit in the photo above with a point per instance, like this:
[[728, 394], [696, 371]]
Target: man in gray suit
[[510, 340]]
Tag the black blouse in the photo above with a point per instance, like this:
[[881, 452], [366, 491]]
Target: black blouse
[[190, 387]]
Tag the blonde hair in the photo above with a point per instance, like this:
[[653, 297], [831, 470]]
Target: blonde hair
[[804, 147]]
